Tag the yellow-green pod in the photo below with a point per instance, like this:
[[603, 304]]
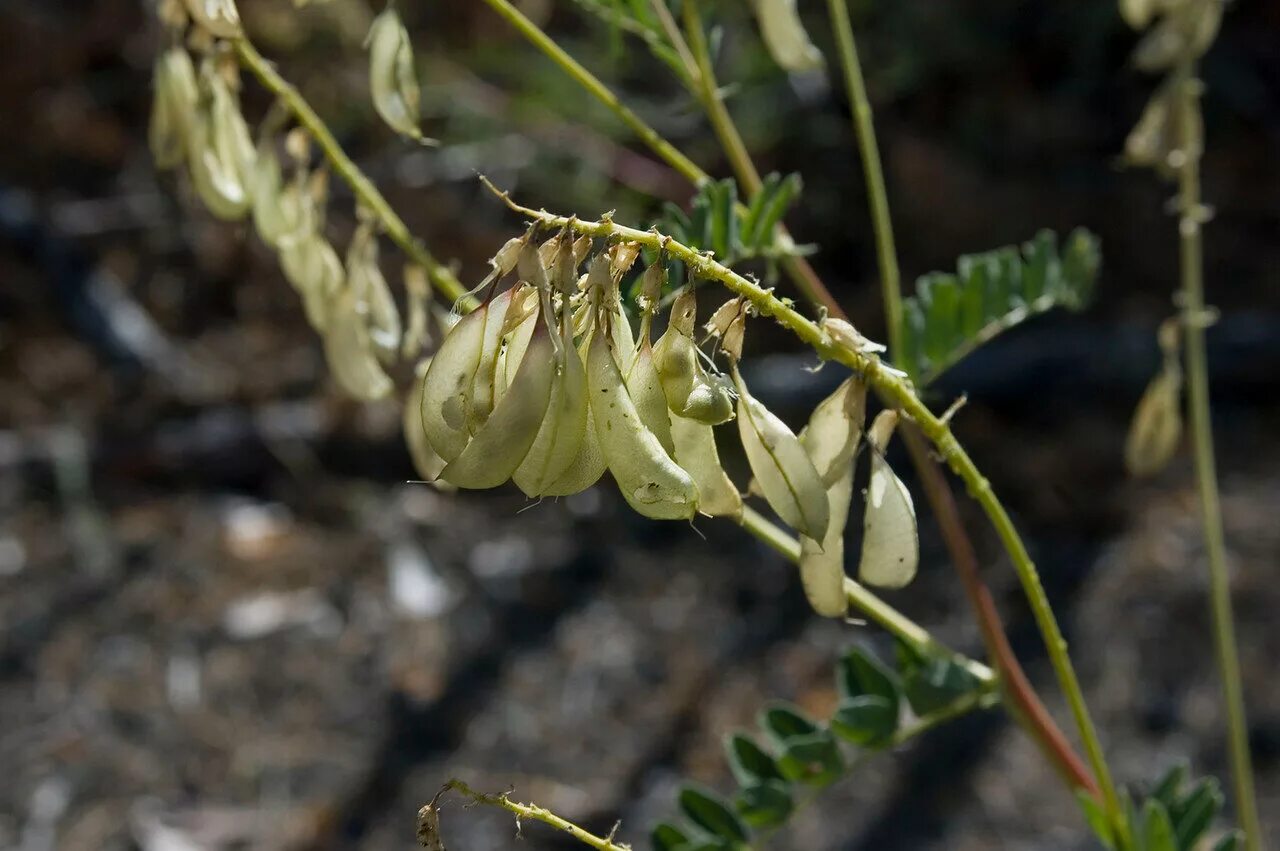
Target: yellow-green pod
[[219, 17], [312, 266], [835, 428], [426, 461], [890, 541], [447, 387], [785, 37], [349, 350], [696, 453], [822, 562], [393, 81], [561, 435], [173, 108], [1156, 429]]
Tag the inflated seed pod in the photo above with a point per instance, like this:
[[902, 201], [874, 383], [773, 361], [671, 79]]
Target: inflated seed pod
[[173, 108], [835, 428], [220, 153], [219, 17], [651, 483], [560, 437], [393, 81], [645, 389], [603, 297], [313, 267], [785, 37], [484, 382], [522, 321], [447, 386], [1156, 429], [425, 460], [822, 562], [498, 448], [350, 352], [696, 452], [890, 542], [278, 211], [373, 294], [786, 477], [589, 464]]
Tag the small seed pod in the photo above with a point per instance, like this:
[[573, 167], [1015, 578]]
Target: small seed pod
[[373, 294], [1156, 429], [890, 541], [280, 211], [418, 289], [173, 107], [483, 384], [392, 78], [689, 389], [835, 429], [785, 37], [220, 152], [447, 386], [349, 350], [1154, 137], [219, 17], [312, 266], [786, 476], [425, 460], [822, 562]]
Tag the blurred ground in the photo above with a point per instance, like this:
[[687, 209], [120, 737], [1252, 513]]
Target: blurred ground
[[226, 622]]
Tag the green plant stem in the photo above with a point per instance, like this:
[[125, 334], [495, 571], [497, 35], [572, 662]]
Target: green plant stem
[[864, 129], [660, 146], [797, 268], [1193, 305], [899, 393], [1025, 703], [893, 621], [533, 811], [398, 232]]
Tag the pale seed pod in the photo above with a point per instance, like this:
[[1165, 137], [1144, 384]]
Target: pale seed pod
[[417, 287], [651, 483], [843, 332], [786, 476], [603, 297], [560, 437], [219, 17], [373, 294], [690, 392], [822, 562], [350, 352], [173, 108], [522, 321], [280, 211], [589, 465], [1156, 429], [447, 387], [220, 152], [835, 429], [498, 448], [712, 400], [313, 267], [483, 383], [425, 460], [785, 37], [622, 257], [393, 81], [890, 541], [1155, 136], [645, 389], [696, 453]]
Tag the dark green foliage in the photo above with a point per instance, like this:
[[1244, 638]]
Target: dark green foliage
[[932, 683], [1173, 817], [798, 751], [716, 222], [952, 314]]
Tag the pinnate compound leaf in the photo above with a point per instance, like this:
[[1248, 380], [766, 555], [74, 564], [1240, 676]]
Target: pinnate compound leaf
[[952, 314]]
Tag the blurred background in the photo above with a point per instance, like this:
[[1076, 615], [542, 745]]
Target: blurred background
[[227, 621]]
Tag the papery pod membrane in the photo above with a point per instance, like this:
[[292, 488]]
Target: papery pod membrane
[[517, 342], [560, 438], [695, 451], [483, 385], [311, 265], [651, 483], [622, 257], [219, 17], [349, 350], [589, 465], [822, 562], [377, 304], [645, 390], [392, 79], [498, 448], [1156, 429], [447, 387], [785, 37], [786, 476], [890, 541], [426, 462], [689, 390], [173, 108], [835, 428]]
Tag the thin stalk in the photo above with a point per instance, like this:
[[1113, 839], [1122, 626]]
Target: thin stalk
[[1193, 305], [898, 392], [660, 146], [1026, 704], [893, 621], [864, 129], [797, 268], [441, 276], [533, 811]]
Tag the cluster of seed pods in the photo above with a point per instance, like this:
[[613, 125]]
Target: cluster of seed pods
[[545, 384], [197, 124]]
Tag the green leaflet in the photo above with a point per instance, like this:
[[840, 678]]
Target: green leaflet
[[952, 314]]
